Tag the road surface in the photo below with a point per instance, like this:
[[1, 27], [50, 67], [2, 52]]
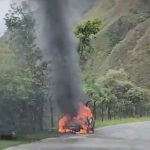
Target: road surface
[[135, 136]]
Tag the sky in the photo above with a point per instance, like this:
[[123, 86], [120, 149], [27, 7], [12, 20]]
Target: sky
[[4, 7]]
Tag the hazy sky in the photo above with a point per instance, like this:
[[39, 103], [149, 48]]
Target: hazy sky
[[4, 7]]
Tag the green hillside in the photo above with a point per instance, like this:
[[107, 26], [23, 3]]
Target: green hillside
[[124, 41]]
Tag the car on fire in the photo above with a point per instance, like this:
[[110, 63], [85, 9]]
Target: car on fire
[[76, 126], [83, 123]]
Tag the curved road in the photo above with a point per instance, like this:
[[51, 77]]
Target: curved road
[[135, 136]]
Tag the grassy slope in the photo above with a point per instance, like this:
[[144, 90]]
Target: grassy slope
[[124, 39]]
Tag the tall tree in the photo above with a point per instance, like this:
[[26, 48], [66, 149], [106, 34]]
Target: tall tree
[[22, 41], [85, 31]]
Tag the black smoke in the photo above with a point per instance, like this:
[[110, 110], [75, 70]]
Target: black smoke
[[61, 47]]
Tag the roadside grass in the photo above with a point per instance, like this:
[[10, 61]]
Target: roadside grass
[[8, 143], [25, 139], [104, 123]]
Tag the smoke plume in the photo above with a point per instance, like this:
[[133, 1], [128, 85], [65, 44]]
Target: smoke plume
[[60, 44]]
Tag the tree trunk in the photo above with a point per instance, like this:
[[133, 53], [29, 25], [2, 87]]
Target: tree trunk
[[102, 113], [94, 110], [109, 113], [52, 113]]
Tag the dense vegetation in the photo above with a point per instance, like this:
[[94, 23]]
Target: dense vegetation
[[116, 96], [23, 80]]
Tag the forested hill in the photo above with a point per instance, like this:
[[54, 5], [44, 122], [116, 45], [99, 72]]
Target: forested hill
[[124, 41]]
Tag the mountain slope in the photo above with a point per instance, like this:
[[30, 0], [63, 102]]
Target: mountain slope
[[124, 41]]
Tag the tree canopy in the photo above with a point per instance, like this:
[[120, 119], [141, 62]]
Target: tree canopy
[[85, 31]]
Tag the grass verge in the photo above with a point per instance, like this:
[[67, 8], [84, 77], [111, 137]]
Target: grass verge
[[5, 143], [25, 139], [104, 123]]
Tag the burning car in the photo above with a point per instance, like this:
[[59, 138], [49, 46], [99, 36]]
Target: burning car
[[83, 123]]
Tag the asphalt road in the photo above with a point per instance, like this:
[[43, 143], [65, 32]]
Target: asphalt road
[[135, 136]]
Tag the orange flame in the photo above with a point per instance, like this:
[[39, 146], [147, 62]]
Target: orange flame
[[63, 122], [82, 117]]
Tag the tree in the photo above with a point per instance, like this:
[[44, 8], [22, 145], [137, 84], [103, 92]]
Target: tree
[[85, 31], [15, 91], [102, 97], [21, 25], [138, 98]]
